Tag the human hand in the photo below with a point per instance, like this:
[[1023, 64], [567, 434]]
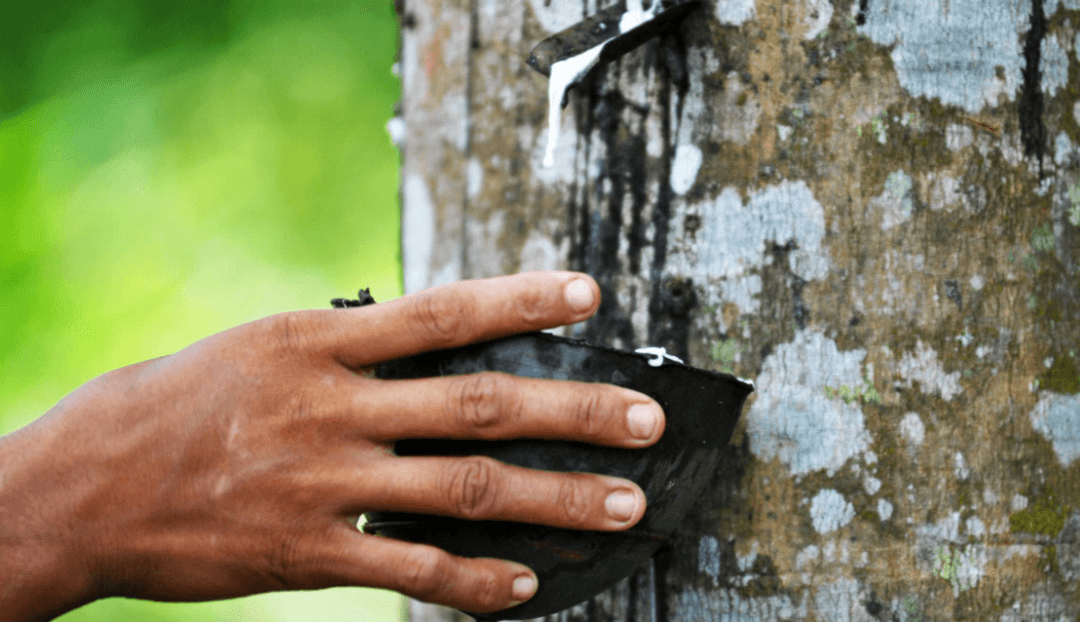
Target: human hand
[[239, 464]]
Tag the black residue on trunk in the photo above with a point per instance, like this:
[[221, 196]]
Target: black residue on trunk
[[671, 300], [783, 289], [873, 607], [1030, 108], [672, 56], [799, 311], [952, 292], [860, 18], [598, 243]]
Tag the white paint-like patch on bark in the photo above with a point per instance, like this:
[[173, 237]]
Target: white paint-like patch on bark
[[830, 552], [960, 467], [913, 430], [793, 419], [733, 235], [738, 112], [783, 132], [743, 292], [746, 562], [474, 176], [806, 556], [841, 601], [975, 527], [1019, 502], [727, 605], [952, 49], [1041, 605], [872, 485], [958, 137], [944, 191], [977, 284], [895, 203], [556, 15], [830, 511], [1009, 146], [417, 233], [709, 557], [1057, 417], [684, 168], [817, 17], [884, 509], [1063, 149], [1054, 65], [734, 12], [924, 367]]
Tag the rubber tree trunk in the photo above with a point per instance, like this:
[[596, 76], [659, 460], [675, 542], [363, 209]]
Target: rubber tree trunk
[[870, 207]]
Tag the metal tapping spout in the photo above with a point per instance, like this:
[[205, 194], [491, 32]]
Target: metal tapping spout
[[567, 56], [603, 29]]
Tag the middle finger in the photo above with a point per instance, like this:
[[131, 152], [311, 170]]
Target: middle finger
[[493, 406]]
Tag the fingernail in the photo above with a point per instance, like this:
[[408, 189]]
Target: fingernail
[[642, 419], [524, 588], [579, 295], [621, 505]]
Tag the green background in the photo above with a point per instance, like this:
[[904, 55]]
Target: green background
[[172, 169]]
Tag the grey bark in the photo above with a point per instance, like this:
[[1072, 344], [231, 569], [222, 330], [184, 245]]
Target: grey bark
[[871, 208]]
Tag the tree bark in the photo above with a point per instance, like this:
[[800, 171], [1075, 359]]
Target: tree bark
[[872, 208]]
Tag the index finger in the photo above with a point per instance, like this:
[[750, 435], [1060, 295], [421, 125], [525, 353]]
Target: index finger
[[461, 313]]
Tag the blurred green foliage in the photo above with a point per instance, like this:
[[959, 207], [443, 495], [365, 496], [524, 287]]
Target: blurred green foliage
[[169, 170]]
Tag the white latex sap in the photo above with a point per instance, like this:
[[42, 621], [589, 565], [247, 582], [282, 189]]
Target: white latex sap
[[659, 355], [567, 72]]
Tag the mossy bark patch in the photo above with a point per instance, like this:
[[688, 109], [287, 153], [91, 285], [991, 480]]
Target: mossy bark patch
[[1062, 377], [1046, 517]]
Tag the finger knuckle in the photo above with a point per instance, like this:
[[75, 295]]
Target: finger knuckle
[[289, 332], [286, 561], [474, 487], [487, 592], [482, 401], [573, 501], [424, 572], [444, 317], [589, 414], [534, 307], [298, 407]]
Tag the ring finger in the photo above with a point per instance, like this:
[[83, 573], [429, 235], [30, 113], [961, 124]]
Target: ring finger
[[480, 488]]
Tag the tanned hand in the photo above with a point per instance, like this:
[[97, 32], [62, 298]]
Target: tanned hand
[[239, 464]]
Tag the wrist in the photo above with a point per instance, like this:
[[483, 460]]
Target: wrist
[[43, 571]]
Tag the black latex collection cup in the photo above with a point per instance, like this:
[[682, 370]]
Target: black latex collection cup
[[701, 409]]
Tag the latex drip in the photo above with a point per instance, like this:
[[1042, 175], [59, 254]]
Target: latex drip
[[566, 72]]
